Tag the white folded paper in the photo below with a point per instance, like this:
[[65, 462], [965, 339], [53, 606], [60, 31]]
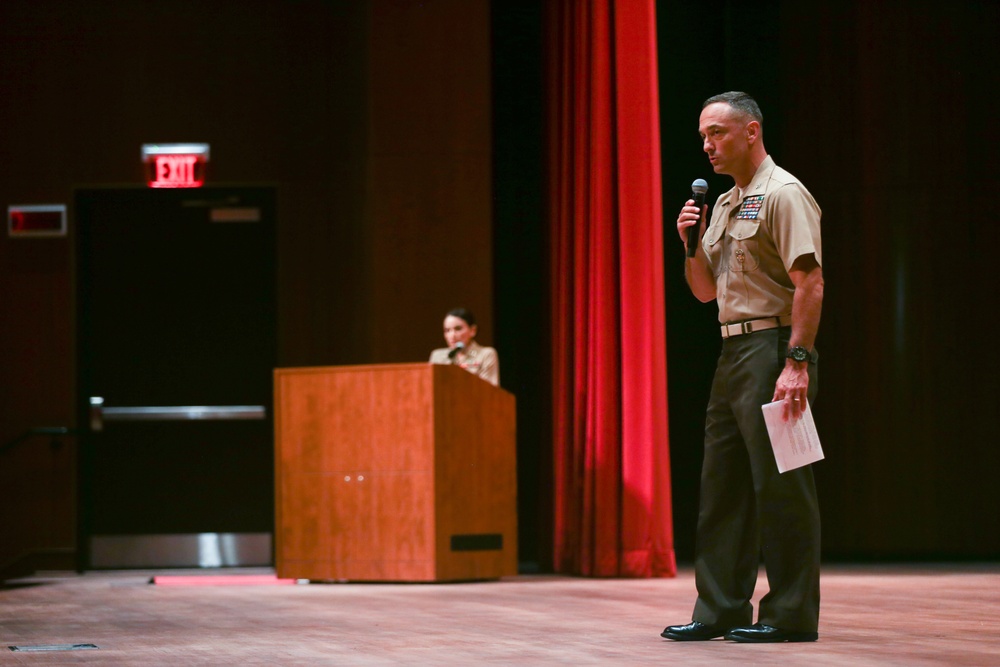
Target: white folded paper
[[795, 444]]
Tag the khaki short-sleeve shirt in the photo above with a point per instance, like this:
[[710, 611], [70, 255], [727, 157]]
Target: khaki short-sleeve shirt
[[478, 360], [752, 243]]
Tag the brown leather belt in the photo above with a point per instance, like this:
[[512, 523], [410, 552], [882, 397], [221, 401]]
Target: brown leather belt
[[750, 326]]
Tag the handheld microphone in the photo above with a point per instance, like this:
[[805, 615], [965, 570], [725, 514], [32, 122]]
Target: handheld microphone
[[698, 190], [459, 346]]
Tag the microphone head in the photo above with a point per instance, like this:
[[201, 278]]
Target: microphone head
[[459, 346], [699, 185]]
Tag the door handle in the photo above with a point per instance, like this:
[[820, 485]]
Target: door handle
[[99, 413]]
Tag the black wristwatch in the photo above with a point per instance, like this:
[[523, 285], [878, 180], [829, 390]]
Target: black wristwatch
[[798, 353]]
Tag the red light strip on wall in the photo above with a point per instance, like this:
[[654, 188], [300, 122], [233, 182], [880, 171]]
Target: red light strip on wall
[[36, 220]]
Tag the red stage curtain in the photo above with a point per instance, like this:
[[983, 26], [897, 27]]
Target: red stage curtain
[[612, 465]]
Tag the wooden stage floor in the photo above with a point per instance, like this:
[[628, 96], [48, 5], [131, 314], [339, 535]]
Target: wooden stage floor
[[872, 615]]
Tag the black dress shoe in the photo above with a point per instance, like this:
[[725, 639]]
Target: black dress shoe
[[693, 632], [761, 633]]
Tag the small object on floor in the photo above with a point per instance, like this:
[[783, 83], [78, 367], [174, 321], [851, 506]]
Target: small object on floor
[[54, 647]]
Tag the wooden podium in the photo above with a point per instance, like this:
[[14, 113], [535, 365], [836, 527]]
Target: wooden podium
[[402, 472]]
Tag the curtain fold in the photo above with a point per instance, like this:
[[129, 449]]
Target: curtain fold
[[612, 473]]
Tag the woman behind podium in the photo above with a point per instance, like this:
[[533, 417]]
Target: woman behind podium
[[463, 350]]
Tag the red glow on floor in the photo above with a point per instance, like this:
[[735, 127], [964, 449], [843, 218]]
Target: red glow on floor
[[221, 580]]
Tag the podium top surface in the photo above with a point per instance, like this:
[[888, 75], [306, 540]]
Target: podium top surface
[[366, 368], [354, 368]]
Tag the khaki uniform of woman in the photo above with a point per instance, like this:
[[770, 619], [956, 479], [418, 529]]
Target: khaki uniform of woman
[[460, 332], [477, 359]]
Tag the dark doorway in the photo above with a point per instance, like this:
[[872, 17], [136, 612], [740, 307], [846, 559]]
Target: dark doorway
[[177, 343]]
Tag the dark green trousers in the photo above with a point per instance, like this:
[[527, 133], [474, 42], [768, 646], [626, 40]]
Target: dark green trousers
[[747, 508]]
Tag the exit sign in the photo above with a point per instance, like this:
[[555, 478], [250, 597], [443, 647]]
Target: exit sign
[[175, 165]]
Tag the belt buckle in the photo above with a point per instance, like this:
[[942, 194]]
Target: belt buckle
[[746, 327]]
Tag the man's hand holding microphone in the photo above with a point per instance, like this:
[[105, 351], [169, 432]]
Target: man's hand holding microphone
[[691, 227], [690, 223]]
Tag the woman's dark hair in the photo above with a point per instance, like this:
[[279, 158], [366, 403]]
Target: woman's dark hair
[[464, 314]]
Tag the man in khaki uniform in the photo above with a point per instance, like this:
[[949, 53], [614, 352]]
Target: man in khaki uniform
[[760, 259]]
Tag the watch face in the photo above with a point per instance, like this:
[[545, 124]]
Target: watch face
[[799, 353]]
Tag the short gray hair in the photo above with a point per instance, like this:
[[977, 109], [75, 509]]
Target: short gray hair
[[742, 102]]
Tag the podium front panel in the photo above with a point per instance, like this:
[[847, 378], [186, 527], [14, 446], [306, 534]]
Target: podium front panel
[[393, 473]]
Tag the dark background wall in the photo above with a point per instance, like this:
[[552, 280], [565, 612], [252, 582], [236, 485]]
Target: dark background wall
[[371, 119], [405, 140], [886, 111]]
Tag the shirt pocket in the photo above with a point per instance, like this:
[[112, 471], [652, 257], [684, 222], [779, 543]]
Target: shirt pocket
[[714, 247], [744, 251]]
